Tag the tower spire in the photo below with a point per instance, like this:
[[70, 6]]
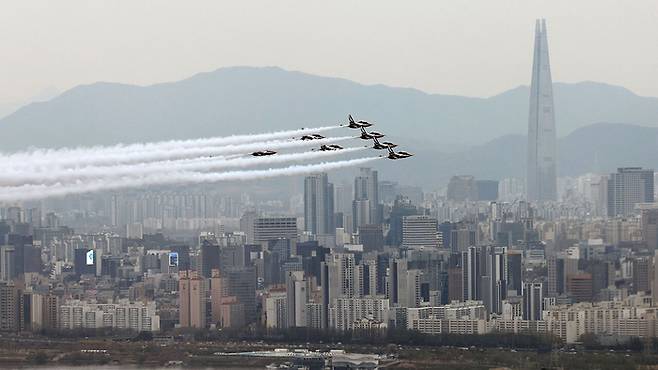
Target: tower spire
[[541, 176]]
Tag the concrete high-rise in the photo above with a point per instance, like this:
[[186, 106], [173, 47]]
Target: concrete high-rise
[[319, 205], [419, 232], [191, 294], [274, 228], [542, 174], [533, 301], [366, 187], [628, 187]]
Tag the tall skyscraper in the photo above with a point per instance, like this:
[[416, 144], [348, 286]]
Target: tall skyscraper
[[366, 187], [319, 205], [628, 187], [533, 301], [542, 175]]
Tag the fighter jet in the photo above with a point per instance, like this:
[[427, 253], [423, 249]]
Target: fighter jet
[[263, 153], [325, 148], [384, 145], [370, 135], [376, 134], [398, 155], [357, 124], [311, 137]]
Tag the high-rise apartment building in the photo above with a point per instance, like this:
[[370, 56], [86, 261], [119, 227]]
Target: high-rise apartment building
[[192, 300], [10, 312], [542, 173]]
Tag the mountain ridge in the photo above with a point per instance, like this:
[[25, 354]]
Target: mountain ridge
[[450, 134], [248, 99]]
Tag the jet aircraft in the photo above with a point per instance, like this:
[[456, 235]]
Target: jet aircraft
[[357, 124], [263, 153], [370, 135], [325, 148], [382, 145], [398, 155], [311, 137]]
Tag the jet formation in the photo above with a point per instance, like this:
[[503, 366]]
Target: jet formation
[[365, 135]]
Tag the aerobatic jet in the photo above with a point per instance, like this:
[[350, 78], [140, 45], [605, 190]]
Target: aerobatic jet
[[370, 135], [325, 148], [357, 124], [311, 137], [398, 155], [383, 145], [263, 153]]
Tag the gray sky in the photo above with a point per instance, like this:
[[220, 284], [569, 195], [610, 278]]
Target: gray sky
[[474, 47]]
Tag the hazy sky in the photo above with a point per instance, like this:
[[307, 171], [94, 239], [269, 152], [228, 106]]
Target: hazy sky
[[475, 48]]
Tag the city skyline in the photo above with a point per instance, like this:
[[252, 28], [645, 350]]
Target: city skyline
[[258, 217]]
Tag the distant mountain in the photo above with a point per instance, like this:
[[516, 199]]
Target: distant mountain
[[449, 134], [7, 108], [599, 148], [244, 99]]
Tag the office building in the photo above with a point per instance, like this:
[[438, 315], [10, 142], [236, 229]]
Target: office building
[[216, 294], [7, 263], [542, 174], [628, 187], [533, 301], [641, 274], [319, 205], [240, 282], [272, 228], [462, 188], [297, 296], [366, 187], [371, 237], [419, 232], [210, 255], [650, 228], [361, 213], [579, 287]]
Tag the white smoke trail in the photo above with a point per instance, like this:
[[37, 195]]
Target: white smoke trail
[[102, 158], [67, 175], [33, 192], [170, 144]]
